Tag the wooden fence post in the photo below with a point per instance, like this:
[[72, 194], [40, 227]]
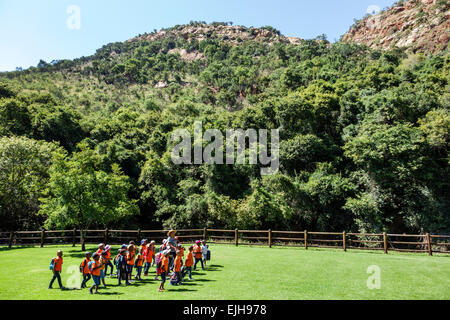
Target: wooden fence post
[[306, 239], [74, 237], [344, 243], [430, 251], [204, 234], [385, 242], [236, 237], [11, 236], [42, 237], [83, 243], [105, 240], [139, 235], [270, 238]]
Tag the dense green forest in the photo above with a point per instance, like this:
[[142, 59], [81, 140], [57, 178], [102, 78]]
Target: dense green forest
[[364, 137]]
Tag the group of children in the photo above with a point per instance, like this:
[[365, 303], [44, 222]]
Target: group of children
[[169, 261]]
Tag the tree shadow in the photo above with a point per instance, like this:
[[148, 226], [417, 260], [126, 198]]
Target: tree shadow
[[15, 248]]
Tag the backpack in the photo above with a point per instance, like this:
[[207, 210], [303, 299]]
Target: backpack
[[52, 264]]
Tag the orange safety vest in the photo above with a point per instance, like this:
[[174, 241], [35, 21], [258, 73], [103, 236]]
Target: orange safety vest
[[165, 264], [178, 264], [85, 265], [189, 259], [108, 255], [149, 255], [57, 264], [95, 272], [140, 260], [130, 258], [198, 252]]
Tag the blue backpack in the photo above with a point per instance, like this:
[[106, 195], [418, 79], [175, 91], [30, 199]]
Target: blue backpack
[[52, 264]]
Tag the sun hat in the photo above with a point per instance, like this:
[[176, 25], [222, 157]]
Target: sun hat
[[101, 244], [143, 241], [107, 248], [174, 231], [124, 246], [197, 242], [153, 241]]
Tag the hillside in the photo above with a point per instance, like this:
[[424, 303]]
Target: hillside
[[417, 25], [364, 135]]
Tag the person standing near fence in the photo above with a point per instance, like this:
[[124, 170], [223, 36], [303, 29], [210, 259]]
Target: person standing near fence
[[57, 267]]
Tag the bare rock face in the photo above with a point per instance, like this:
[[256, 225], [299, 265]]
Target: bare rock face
[[418, 25]]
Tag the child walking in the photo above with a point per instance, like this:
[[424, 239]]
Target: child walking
[[204, 252], [84, 269], [177, 267], [95, 268], [188, 263], [108, 261], [57, 267], [138, 264], [122, 267], [102, 268], [164, 266], [148, 257], [130, 261]]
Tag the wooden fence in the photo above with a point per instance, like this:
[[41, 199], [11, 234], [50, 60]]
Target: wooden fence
[[425, 243]]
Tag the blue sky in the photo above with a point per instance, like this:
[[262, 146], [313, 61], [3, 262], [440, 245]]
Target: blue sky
[[34, 30]]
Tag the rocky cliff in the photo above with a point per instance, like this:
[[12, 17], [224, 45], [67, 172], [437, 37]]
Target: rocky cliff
[[418, 25]]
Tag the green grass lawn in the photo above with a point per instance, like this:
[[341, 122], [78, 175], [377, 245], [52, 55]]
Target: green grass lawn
[[243, 273]]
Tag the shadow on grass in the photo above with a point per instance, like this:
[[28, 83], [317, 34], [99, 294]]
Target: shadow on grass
[[204, 280], [179, 290], [214, 267], [108, 293], [16, 248]]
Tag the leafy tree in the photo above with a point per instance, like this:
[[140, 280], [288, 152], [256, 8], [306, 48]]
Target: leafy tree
[[24, 174], [81, 195]]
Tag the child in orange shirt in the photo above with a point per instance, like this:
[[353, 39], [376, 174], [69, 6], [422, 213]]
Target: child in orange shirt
[[57, 267], [95, 270], [103, 263], [148, 257], [108, 261], [164, 266], [84, 269], [138, 264], [189, 263], [130, 261], [177, 267]]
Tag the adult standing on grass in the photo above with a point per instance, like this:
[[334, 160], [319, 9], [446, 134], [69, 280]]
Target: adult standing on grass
[[171, 244], [57, 267], [198, 254]]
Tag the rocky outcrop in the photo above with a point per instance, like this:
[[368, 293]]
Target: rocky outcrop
[[227, 33], [418, 25]]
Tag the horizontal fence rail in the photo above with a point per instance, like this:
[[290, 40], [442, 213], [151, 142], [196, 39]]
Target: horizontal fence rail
[[420, 243]]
